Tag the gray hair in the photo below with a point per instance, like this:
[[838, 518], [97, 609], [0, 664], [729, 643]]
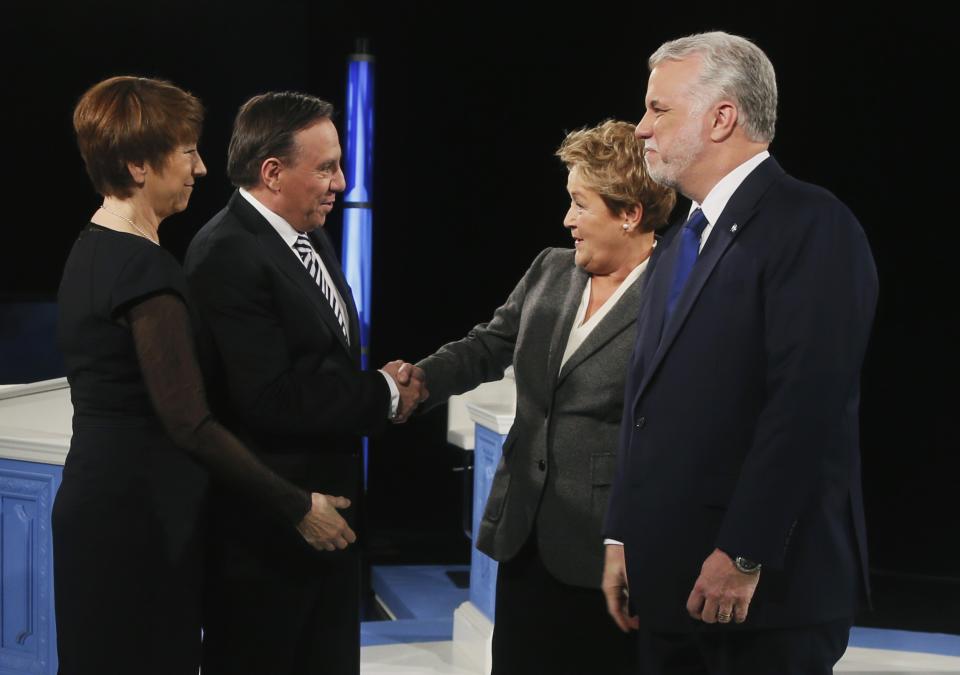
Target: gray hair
[[734, 68]]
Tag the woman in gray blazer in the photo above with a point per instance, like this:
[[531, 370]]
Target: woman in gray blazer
[[568, 329]]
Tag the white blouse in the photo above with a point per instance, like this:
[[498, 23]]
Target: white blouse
[[581, 329]]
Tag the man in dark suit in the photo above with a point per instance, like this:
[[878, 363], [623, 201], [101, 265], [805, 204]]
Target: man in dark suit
[[737, 494], [284, 348]]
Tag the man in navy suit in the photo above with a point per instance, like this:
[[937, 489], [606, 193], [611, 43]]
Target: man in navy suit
[[737, 497]]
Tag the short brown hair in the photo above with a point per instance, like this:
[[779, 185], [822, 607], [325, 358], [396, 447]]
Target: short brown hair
[[610, 159], [132, 119], [265, 127]]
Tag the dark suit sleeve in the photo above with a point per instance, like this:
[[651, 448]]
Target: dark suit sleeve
[[485, 352], [233, 294], [819, 296], [613, 525]]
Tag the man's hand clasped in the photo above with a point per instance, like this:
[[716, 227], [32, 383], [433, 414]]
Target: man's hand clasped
[[412, 383]]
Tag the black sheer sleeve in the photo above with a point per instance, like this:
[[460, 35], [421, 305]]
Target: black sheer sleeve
[[162, 335]]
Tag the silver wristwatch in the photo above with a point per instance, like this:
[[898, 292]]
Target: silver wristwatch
[[746, 565]]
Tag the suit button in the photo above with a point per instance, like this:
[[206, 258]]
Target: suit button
[[641, 423], [542, 465]]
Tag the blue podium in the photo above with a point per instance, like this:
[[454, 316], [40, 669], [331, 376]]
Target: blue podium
[[35, 430], [488, 444], [480, 420]]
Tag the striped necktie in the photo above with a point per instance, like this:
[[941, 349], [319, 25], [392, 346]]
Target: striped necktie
[[308, 256]]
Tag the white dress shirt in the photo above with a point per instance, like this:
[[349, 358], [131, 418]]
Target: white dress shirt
[[289, 236]]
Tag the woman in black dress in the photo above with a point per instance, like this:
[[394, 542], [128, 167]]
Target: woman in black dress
[[128, 517]]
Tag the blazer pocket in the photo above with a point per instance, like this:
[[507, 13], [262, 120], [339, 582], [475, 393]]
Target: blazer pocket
[[602, 466], [497, 497]]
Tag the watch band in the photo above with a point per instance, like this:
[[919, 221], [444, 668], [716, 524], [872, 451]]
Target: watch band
[[746, 565]]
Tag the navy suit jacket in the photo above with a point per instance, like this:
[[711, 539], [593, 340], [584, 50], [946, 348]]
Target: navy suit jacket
[[740, 428]]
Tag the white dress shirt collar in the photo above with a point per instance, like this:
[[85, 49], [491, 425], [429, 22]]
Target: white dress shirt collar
[[716, 200], [278, 222]]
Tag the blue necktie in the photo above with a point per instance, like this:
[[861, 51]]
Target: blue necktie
[[689, 248]]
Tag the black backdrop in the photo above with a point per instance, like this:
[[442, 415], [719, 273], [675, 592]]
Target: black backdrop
[[470, 105]]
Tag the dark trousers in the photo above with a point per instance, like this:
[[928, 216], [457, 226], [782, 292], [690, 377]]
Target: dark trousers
[[806, 650], [299, 620], [272, 604], [545, 626]]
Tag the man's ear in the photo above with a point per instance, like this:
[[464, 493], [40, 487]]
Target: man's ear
[[723, 120], [270, 171]]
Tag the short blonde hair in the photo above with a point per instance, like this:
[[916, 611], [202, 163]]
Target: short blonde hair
[[610, 160]]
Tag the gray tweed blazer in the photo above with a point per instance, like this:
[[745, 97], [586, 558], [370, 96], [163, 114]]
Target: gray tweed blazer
[[558, 459]]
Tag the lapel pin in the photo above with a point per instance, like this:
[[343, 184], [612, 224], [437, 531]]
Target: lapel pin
[[733, 228]]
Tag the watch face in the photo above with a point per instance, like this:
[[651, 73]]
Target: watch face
[[745, 565]]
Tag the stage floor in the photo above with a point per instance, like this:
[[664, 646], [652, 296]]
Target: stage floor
[[422, 599]]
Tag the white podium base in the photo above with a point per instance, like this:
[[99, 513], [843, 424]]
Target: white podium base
[[472, 638]]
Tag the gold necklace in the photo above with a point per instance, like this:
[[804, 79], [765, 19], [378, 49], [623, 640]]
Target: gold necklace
[[133, 224]]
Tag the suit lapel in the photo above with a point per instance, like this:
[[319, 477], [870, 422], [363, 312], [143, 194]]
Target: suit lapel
[[656, 303], [281, 255], [735, 217], [325, 248], [561, 332], [617, 320], [716, 246]]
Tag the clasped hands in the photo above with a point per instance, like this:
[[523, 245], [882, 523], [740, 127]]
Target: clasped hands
[[412, 383]]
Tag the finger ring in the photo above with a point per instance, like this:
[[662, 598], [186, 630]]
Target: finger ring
[[723, 617]]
